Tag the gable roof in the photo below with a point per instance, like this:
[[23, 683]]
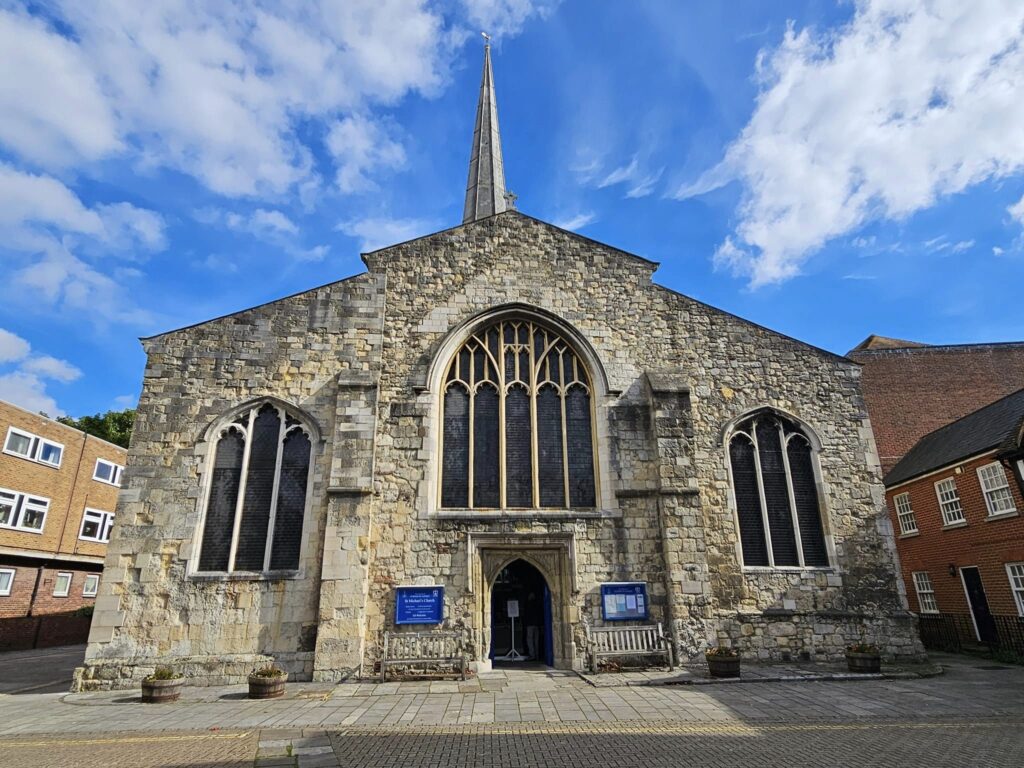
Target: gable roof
[[874, 341], [995, 426]]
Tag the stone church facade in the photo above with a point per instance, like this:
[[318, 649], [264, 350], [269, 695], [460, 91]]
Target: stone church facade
[[497, 393]]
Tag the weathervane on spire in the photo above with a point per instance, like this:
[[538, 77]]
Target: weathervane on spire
[[486, 37]]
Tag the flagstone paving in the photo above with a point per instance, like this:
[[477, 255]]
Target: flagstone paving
[[973, 714]]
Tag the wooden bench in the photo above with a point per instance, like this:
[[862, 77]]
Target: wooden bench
[[644, 640], [423, 649]]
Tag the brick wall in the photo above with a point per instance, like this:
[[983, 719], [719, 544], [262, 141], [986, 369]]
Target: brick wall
[[17, 603], [912, 391], [988, 543]]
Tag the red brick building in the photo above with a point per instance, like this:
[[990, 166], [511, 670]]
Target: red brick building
[[58, 492], [912, 389], [956, 502]]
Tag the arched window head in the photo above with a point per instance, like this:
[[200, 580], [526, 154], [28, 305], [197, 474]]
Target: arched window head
[[517, 422], [260, 466], [776, 493]]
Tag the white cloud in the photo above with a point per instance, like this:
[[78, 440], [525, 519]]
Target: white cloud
[[12, 347], [579, 221], [505, 17], [269, 225], [375, 233], [639, 183], [52, 111], [360, 146], [908, 103], [29, 392], [25, 386], [48, 367], [126, 401], [42, 222], [220, 91], [1017, 211]]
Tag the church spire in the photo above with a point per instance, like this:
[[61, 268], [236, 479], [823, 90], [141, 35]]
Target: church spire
[[485, 190]]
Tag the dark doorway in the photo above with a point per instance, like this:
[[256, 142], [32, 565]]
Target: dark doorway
[[521, 616], [983, 621]]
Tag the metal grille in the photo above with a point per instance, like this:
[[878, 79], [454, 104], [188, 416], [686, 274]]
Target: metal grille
[[805, 494]]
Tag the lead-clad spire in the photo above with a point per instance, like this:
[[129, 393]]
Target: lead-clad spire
[[485, 190]]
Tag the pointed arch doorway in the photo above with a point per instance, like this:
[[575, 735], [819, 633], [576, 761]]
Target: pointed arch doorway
[[521, 625]]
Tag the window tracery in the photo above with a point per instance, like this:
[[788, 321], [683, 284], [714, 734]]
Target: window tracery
[[517, 422], [257, 498], [776, 494]]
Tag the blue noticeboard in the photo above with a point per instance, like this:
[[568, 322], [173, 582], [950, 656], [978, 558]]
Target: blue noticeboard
[[624, 601], [419, 605]]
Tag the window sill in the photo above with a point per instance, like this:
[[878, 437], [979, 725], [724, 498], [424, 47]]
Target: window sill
[[520, 514], [1002, 515], [240, 576], [951, 526], [909, 534], [758, 569]]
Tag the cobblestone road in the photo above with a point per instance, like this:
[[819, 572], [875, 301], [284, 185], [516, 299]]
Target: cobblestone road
[[972, 715]]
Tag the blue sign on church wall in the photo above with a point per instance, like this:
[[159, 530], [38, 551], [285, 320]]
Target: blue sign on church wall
[[624, 601], [419, 605]]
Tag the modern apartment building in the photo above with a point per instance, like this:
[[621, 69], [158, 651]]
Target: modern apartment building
[[58, 492]]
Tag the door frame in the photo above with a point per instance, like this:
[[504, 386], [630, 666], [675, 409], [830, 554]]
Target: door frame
[[967, 596]]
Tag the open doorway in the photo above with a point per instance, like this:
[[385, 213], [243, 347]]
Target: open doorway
[[521, 616]]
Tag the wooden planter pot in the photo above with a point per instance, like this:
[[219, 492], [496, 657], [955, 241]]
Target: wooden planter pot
[[267, 687], [161, 691], [723, 666], [864, 662]]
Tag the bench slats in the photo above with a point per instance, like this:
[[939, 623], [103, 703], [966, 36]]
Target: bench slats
[[645, 640], [408, 648]]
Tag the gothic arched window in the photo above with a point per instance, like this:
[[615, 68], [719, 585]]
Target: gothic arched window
[[257, 498], [517, 422], [776, 493]]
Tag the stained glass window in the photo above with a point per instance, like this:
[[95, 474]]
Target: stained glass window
[[517, 422], [257, 495], [776, 494]]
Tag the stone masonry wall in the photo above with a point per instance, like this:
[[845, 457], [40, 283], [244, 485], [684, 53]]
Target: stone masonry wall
[[150, 609], [358, 356], [670, 522]]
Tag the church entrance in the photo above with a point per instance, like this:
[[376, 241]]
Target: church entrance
[[521, 628]]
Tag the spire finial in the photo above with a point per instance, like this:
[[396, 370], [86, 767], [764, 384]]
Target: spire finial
[[485, 190]]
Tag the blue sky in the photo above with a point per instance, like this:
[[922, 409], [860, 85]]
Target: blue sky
[[828, 170]]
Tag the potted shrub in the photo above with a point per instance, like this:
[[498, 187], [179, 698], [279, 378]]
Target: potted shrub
[[863, 657], [162, 686], [723, 662], [267, 682]]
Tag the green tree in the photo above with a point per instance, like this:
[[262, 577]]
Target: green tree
[[112, 426]]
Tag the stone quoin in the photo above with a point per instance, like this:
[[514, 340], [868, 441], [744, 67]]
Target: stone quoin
[[511, 412]]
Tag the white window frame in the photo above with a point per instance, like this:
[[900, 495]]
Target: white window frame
[[94, 579], [991, 490], [115, 475], [11, 573], [905, 513], [36, 444], [67, 588], [24, 502], [925, 593], [951, 504], [104, 521], [1015, 573]]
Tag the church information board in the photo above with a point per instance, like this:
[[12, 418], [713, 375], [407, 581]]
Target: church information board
[[624, 601], [419, 605]]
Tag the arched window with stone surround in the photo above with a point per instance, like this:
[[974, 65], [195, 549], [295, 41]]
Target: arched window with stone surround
[[257, 491], [517, 422], [775, 489]]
